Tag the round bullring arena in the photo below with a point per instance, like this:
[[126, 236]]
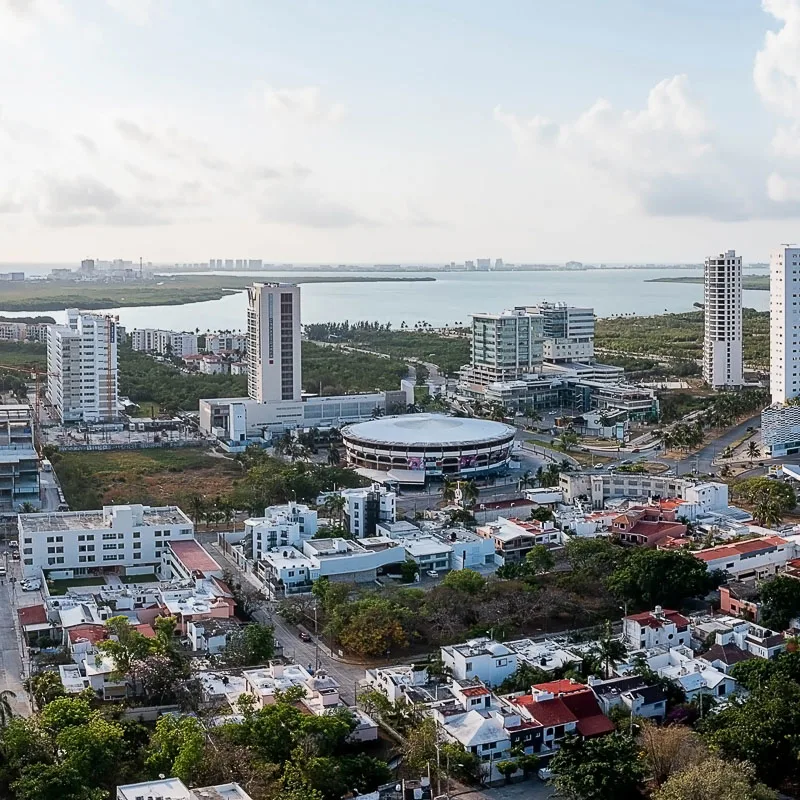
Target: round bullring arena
[[429, 445]]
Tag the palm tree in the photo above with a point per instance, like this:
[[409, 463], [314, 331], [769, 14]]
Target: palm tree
[[568, 440], [448, 489], [377, 412], [564, 465], [768, 511], [469, 493], [753, 451], [526, 481], [6, 712], [334, 506], [27, 508], [197, 506], [608, 650], [539, 476], [334, 457]]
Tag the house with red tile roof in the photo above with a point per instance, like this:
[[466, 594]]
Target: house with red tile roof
[[661, 627], [646, 526], [757, 558]]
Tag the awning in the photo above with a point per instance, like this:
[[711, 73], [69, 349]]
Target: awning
[[415, 476]]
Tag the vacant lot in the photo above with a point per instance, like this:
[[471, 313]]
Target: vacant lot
[[152, 477]]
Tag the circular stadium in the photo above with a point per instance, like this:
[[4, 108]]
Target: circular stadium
[[429, 445]]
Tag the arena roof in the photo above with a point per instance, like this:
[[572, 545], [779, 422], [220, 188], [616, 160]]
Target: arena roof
[[425, 430]]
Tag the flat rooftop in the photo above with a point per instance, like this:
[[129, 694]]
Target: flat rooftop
[[97, 520]]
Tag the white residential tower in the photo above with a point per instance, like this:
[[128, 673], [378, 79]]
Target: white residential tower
[[273, 342], [722, 342]]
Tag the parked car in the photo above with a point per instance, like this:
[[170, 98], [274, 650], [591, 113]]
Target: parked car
[[30, 585], [305, 637], [432, 573], [545, 773]]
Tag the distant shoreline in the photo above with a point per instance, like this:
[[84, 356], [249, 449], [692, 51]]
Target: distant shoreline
[[175, 290], [749, 282]]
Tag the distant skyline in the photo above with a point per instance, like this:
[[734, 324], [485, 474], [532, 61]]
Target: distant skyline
[[373, 131]]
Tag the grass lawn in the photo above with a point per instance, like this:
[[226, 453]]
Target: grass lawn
[[152, 477], [148, 408], [61, 586], [148, 577]]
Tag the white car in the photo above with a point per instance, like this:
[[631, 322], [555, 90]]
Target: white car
[[432, 573], [545, 773], [31, 586]]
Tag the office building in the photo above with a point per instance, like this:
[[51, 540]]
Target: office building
[[273, 342], [567, 332], [82, 367], [505, 346], [722, 341], [19, 462], [129, 540]]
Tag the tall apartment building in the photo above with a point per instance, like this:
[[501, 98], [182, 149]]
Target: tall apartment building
[[19, 462], [567, 331], [722, 341], [273, 342], [165, 343], [784, 324], [505, 346], [365, 508], [82, 367]]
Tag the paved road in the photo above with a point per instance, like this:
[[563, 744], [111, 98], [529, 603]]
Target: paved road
[[296, 650], [702, 459], [11, 664], [531, 789]]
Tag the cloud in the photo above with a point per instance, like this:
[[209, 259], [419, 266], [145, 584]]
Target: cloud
[[135, 11], [666, 156], [20, 19], [133, 132], [88, 145], [776, 71], [303, 104], [310, 209]]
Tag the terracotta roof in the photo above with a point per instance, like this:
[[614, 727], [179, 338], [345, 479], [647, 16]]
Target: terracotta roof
[[560, 687], [191, 554], [89, 633], [32, 615], [550, 713], [145, 629], [739, 548], [475, 691], [595, 726], [650, 619], [726, 653]]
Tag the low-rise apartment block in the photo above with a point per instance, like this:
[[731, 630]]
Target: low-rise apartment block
[[662, 627], [367, 507], [756, 558], [176, 789], [489, 661], [514, 538], [281, 526], [19, 461], [128, 539], [165, 343]]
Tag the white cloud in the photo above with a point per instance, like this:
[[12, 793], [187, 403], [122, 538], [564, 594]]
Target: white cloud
[[308, 208], [776, 71], [135, 11], [19, 19], [303, 104]]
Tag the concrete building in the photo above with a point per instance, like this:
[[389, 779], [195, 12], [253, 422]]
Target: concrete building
[[756, 558], [367, 507], [722, 340], [164, 343], [515, 538], [659, 628], [784, 323], [567, 331], [19, 461], [176, 789], [489, 661], [505, 346], [699, 497], [126, 540], [280, 527], [293, 570], [273, 342], [226, 341], [82, 368]]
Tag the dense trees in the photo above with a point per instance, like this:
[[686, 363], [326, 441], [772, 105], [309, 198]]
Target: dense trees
[[715, 779], [597, 769], [781, 598], [661, 577], [770, 499]]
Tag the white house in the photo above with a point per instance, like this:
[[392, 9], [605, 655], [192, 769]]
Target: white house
[[126, 539], [176, 789], [659, 628], [753, 558], [485, 659]]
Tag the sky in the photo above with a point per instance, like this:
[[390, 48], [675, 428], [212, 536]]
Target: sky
[[351, 131]]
